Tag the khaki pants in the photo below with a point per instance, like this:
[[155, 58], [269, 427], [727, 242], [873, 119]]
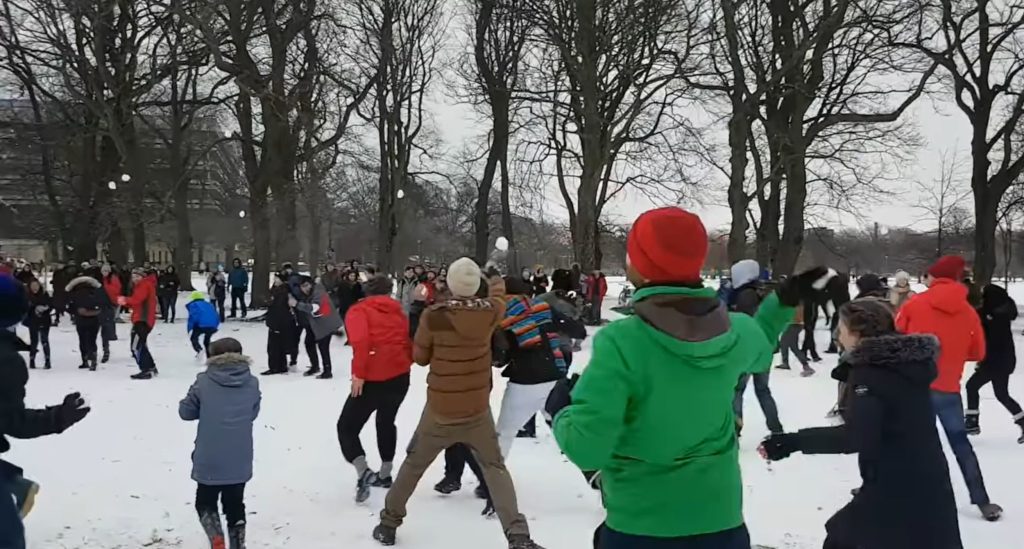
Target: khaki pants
[[431, 439]]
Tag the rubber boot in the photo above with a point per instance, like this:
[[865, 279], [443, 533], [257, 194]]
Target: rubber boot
[[971, 421], [236, 535], [212, 526]]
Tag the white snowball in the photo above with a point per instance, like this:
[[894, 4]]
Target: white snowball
[[501, 244]]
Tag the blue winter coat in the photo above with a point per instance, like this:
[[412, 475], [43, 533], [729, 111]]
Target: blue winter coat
[[226, 400], [238, 278], [201, 314]]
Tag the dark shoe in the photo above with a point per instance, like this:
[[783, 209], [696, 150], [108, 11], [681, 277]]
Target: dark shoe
[[325, 375], [92, 363], [47, 365], [808, 372], [106, 356], [382, 482], [448, 486], [783, 367], [971, 421], [32, 362], [991, 512], [294, 361], [236, 533], [363, 485], [273, 373], [145, 374], [1020, 422], [488, 511], [522, 541], [312, 371], [481, 492], [526, 434], [384, 534], [84, 365]]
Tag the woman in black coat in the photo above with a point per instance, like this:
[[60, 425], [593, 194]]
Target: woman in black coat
[[997, 312], [906, 499], [38, 322], [168, 285], [281, 327]]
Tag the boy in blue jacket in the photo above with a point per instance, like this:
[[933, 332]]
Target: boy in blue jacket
[[203, 320]]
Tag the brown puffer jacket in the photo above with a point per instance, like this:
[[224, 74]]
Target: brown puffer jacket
[[454, 338]]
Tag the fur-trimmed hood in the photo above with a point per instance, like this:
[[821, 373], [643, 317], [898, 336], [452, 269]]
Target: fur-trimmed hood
[[911, 356], [229, 369], [88, 280]]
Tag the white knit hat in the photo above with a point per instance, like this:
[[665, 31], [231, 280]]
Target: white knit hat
[[745, 272], [464, 277]]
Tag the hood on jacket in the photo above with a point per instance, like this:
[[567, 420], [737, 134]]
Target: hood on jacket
[[470, 318], [870, 284], [995, 299], [946, 296], [910, 356], [229, 369], [383, 304], [77, 281], [691, 323]]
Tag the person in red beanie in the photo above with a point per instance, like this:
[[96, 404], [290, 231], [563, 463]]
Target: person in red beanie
[[653, 410], [944, 312]]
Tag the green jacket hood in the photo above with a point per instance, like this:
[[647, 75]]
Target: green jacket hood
[[689, 323]]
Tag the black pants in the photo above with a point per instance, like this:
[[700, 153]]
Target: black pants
[[238, 296], [790, 343], [1000, 386], [278, 346], [88, 330], [232, 499], [456, 458], [140, 348], [736, 538], [324, 346], [218, 303], [380, 397], [168, 304], [207, 334], [37, 335]]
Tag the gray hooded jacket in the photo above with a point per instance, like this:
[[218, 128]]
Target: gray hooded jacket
[[317, 311], [226, 400]]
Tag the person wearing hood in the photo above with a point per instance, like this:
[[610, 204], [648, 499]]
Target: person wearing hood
[[407, 289], [652, 412], [746, 299], [217, 288], [540, 281], [943, 311], [86, 301], [225, 399], [38, 323], [17, 421], [202, 321], [905, 499], [238, 279], [997, 312], [281, 328], [330, 278], [455, 341], [349, 291], [870, 286], [901, 292], [143, 305], [168, 285], [378, 332], [318, 319]]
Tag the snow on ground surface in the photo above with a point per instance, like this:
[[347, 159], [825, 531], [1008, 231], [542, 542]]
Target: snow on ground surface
[[121, 478]]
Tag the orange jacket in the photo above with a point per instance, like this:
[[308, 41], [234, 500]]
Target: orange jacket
[[944, 312], [143, 302]]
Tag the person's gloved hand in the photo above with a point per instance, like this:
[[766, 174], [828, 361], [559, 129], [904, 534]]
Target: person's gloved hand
[[560, 397], [802, 287], [71, 411], [778, 447]]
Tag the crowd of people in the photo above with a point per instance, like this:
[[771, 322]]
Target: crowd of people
[[687, 351]]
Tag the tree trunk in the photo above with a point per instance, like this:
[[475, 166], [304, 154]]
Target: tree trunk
[[985, 207], [481, 215], [507, 225], [261, 248], [793, 222]]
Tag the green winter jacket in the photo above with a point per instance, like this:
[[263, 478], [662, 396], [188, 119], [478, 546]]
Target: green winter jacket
[[653, 410]]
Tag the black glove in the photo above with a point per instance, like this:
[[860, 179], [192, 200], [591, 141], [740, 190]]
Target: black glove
[[800, 287], [71, 411], [779, 447], [560, 397]]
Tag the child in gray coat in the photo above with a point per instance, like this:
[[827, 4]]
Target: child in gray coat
[[226, 400]]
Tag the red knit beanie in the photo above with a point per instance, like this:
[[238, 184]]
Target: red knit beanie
[[949, 266], [667, 245]]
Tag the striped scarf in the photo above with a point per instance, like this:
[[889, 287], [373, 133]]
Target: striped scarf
[[525, 319]]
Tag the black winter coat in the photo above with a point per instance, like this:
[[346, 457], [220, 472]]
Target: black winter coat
[[87, 299], [168, 283], [998, 311], [40, 308], [906, 499], [746, 299], [348, 294], [279, 315], [15, 420]]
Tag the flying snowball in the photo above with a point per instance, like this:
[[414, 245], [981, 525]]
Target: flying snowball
[[401, 193], [112, 186], [125, 177], [501, 244], [228, 134], [241, 214]]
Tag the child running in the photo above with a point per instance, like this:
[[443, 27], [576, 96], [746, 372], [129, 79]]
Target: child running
[[202, 321]]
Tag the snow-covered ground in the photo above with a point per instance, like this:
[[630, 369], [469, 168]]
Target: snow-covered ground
[[120, 479]]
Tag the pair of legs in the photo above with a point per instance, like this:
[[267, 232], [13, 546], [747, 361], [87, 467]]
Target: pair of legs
[[218, 303], [232, 499], [206, 334], [278, 345], [39, 335], [595, 310], [382, 398], [317, 350], [764, 397], [949, 408], [432, 437], [238, 296], [140, 347], [519, 405], [88, 330], [735, 538], [790, 343], [168, 306], [1000, 386]]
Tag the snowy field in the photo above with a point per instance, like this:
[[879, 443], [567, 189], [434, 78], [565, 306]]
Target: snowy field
[[121, 478]]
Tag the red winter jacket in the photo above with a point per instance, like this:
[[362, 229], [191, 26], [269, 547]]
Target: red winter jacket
[[143, 302], [378, 332], [944, 312], [112, 285], [597, 287]]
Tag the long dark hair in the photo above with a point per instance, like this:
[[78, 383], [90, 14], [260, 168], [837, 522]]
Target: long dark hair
[[868, 317]]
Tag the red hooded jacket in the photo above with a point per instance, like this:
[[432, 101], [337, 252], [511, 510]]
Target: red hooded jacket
[[944, 312], [143, 302], [378, 332], [112, 285]]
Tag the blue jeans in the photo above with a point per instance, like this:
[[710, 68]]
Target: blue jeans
[[950, 409], [12, 532], [764, 397], [737, 538]]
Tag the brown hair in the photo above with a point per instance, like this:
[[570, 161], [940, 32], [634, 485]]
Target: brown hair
[[868, 317]]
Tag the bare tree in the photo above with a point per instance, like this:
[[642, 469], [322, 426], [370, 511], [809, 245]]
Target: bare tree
[[942, 199]]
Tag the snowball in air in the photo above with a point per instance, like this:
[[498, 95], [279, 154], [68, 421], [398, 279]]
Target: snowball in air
[[125, 177], [112, 186], [401, 193], [241, 214], [501, 244]]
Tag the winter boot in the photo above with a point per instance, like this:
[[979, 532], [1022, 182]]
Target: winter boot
[[384, 534], [1020, 423], [448, 486], [47, 365], [106, 353], [971, 420], [236, 533], [481, 492], [382, 482], [522, 541], [145, 374], [991, 512], [312, 371], [32, 361], [214, 531], [363, 485], [326, 375], [92, 363], [85, 363]]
